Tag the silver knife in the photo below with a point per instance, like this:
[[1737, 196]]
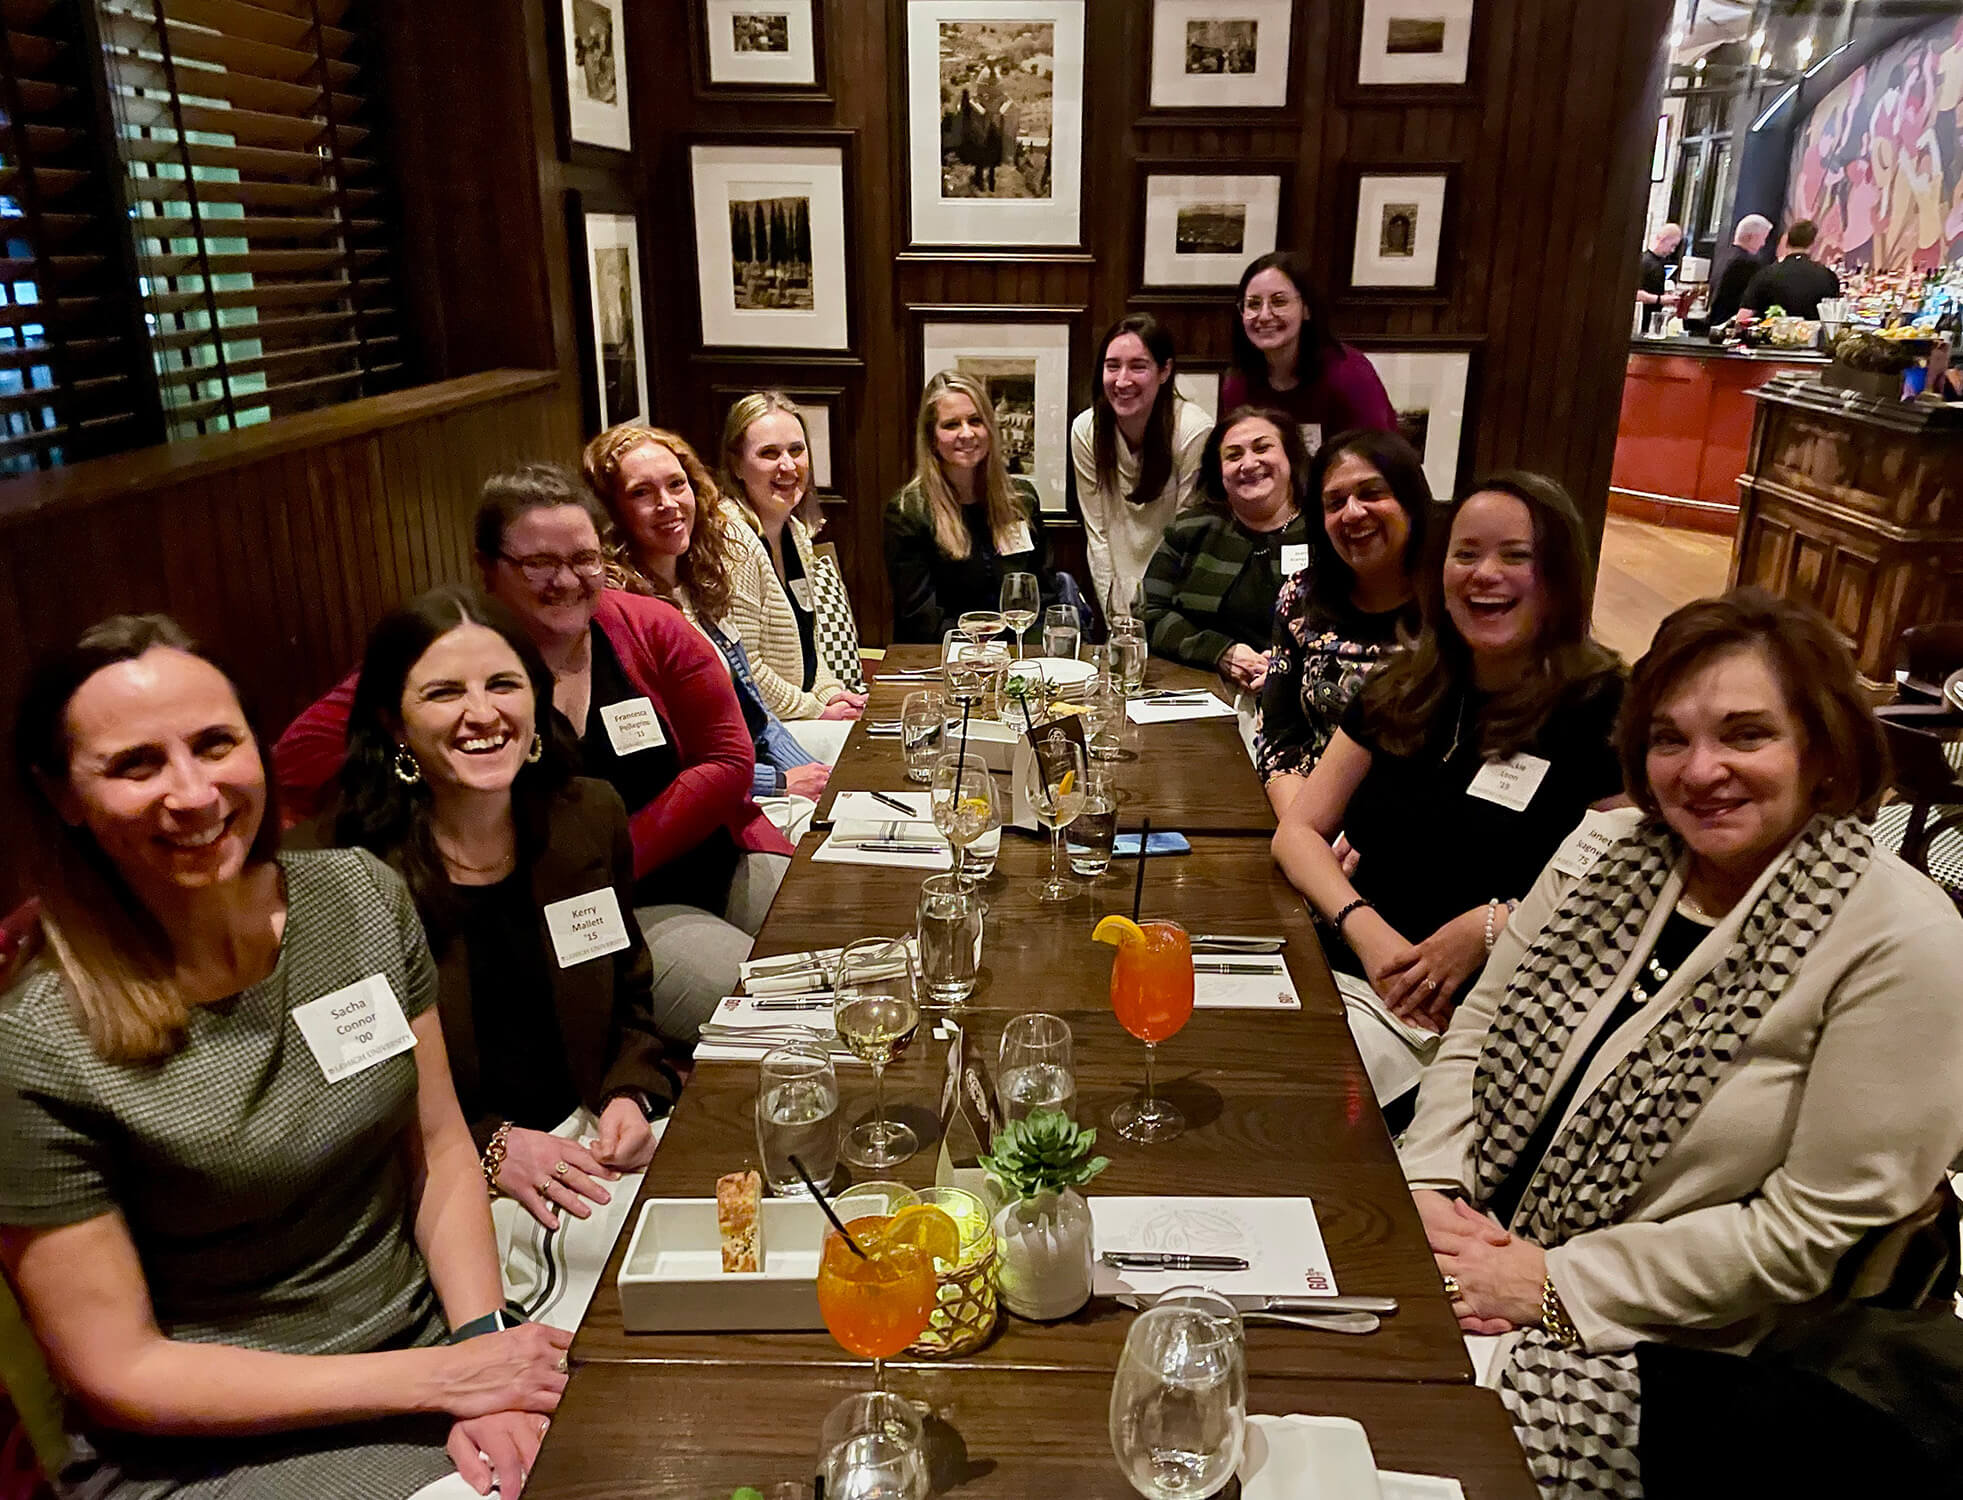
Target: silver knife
[[1255, 1302], [1335, 1322], [1224, 942]]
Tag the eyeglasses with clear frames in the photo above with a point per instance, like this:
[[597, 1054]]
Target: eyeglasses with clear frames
[[1280, 302], [540, 568]]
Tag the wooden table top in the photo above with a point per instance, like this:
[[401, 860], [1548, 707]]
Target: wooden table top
[[1192, 777], [692, 1432], [1040, 956]]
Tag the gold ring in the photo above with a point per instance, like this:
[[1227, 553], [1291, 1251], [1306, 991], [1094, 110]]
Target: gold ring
[[564, 1365], [1452, 1287], [1430, 984], [560, 1170], [543, 1185]]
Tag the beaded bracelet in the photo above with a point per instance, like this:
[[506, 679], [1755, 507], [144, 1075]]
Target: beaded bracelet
[[494, 1156], [1343, 915], [1554, 1319], [1493, 926]]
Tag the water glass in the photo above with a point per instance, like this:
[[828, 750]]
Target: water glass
[[797, 1116], [1179, 1403], [1033, 1067], [1062, 631], [922, 716], [1096, 828], [950, 938], [873, 1447], [1128, 654], [1105, 720]]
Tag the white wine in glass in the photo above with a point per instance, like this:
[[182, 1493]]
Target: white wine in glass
[[876, 1011], [1022, 600], [1054, 784]]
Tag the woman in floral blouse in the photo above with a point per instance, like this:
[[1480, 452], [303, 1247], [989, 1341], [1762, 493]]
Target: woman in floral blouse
[[1336, 616]]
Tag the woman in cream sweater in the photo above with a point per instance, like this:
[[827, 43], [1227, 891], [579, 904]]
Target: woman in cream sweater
[[774, 601], [1715, 1046]]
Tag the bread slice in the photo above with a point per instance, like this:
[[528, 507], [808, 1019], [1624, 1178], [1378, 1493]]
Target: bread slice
[[738, 1197]]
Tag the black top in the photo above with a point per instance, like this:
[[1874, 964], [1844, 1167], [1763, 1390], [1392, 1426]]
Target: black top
[[1675, 943], [1796, 283], [700, 877], [1655, 268], [1728, 291], [797, 588], [522, 1073], [932, 590], [1430, 850]]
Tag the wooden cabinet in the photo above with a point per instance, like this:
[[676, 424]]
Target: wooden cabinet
[[1855, 505]]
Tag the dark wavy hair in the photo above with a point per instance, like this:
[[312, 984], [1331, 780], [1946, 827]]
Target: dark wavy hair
[[535, 486], [1395, 459], [1846, 749], [391, 819], [1418, 687], [1317, 341], [1155, 455], [1213, 479], [116, 959]]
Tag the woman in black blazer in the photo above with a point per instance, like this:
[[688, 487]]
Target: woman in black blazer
[[459, 774]]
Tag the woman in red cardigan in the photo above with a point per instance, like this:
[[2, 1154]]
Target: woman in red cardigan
[[655, 715]]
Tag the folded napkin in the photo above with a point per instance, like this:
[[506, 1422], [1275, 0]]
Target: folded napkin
[[1173, 710], [861, 844], [737, 1031], [1271, 989], [1317, 1458], [1394, 1050], [793, 973]]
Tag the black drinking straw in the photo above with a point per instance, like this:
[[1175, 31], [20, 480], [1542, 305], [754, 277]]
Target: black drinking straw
[[837, 1222], [961, 760], [1138, 888]]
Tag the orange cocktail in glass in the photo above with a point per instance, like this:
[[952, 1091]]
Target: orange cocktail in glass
[[1152, 997], [878, 1305]]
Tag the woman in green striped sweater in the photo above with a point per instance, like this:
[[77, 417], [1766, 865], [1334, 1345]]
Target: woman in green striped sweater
[[1211, 587]]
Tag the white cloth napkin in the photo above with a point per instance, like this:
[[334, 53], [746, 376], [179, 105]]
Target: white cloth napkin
[[1394, 1050], [737, 1031], [845, 846]]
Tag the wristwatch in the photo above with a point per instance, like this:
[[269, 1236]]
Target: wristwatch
[[491, 1322]]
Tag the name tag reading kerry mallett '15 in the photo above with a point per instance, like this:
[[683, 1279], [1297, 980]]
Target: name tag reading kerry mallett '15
[[352, 1029], [584, 927]]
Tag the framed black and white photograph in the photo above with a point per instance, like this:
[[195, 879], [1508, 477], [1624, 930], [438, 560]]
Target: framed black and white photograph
[[1201, 386], [995, 121], [619, 328], [1400, 226], [1220, 54], [1200, 231], [1429, 389], [596, 72], [770, 245], [1026, 369], [762, 44], [1415, 44]]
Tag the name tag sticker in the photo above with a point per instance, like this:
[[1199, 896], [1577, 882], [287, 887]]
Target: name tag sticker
[[1510, 783], [1294, 557], [801, 591], [1016, 539], [584, 927], [1311, 436], [1588, 843], [355, 1028], [632, 725]]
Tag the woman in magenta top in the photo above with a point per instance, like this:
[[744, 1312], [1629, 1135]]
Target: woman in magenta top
[[1286, 358]]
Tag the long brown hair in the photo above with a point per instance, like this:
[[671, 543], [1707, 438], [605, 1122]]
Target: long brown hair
[[116, 958], [1421, 684], [1005, 505], [1155, 453], [702, 572]]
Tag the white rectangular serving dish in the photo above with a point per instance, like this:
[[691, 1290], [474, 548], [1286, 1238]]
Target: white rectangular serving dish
[[991, 739], [672, 1280]]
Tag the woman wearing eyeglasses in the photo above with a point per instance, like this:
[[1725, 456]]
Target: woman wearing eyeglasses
[[1287, 360], [651, 705]]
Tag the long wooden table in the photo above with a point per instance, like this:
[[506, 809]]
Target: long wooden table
[[1276, 1101]]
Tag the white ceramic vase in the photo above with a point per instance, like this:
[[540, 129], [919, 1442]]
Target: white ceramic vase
[[1043, 1255]]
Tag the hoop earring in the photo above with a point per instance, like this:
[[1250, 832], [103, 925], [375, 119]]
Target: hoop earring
[[533, 755], [406, 770]]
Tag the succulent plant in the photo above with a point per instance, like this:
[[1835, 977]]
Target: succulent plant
[[1044, 1152]]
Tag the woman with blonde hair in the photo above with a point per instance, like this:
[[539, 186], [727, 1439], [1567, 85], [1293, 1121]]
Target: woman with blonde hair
[[961, 522], [782, 602], [673, 540]]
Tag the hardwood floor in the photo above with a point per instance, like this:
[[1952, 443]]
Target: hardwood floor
[[1647, 571]]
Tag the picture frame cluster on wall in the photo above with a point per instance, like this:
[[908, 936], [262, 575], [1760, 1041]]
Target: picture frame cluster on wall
[[1022, 356]]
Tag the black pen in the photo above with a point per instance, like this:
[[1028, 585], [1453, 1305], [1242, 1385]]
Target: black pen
[[897, 805]]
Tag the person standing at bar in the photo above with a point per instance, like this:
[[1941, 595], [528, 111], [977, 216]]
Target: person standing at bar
[[1799, 282], [1656, 264], [1745, 262]]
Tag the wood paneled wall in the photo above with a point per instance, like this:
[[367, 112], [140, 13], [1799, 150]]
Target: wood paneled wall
[[1551, 157], [277, 547]]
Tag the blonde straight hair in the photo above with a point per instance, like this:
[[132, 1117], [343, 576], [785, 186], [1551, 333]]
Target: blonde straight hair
[[752, 409], [1005, 505]]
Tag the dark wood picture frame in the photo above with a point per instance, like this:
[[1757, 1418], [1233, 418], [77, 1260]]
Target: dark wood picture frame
[[1349, 63], [844, 141], [835, 398], [1252, 117], [1471, 345], [1349, 205], [1145, 168], [824, 23]]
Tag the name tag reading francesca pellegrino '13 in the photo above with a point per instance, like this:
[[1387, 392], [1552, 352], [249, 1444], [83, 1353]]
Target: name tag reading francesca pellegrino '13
[[584, 927], [632, 725], [355, 1028], [1512, 782]]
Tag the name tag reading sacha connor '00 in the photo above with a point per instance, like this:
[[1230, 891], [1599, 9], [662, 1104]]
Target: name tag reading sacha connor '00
[[584, 927], [632, 725], [354, 1028]]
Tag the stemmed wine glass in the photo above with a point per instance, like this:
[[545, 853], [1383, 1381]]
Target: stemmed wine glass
[[1152, 997], [980, 625], [1179, 1402], [1022, 601], [1053, 780], [965, 805], [872, 1448], [876, 1010]]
